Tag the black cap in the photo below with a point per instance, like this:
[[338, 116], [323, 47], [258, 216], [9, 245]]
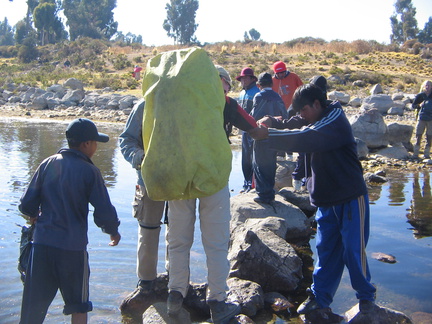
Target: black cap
[[320, 82], [83, 130], [265, 78]]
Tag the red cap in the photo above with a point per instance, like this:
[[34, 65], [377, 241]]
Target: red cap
[[246, 71], [279, 66]]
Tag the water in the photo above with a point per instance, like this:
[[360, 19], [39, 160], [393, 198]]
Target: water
[[401, 225]]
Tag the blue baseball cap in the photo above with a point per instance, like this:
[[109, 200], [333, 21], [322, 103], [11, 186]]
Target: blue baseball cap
[[83, 130]]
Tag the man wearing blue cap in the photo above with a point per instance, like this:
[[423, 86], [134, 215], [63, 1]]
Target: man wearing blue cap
[[57, 202]]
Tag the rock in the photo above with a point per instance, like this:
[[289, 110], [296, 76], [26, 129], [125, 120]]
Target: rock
[[381, 102], [248, 293], [396, 111], [277, 302], [400, 133], [387, 258], [355, 102], [376, 89], [73, 96], [74, 84], [369, 126], [299, 199], [396, 151], [261, 256], [381, 315], [421, 318], [359, 83], [38, 103], [343, 98], [284, 172], [374, 178], [157, 314], [362, 149], [243, 207]]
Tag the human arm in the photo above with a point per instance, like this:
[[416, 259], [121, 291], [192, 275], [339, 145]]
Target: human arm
[[237, 116], [130, 140]]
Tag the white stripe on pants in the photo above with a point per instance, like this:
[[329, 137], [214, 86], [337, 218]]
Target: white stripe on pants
[[214, 215]]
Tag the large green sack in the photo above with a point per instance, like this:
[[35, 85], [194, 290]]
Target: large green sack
[[187, 154]]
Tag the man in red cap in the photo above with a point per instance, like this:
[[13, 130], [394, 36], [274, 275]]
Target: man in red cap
[[285, 82], [250, 89]]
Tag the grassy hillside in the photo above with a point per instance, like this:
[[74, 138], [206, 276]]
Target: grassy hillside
[[102, 64]]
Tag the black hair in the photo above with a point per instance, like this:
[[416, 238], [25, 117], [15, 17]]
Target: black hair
[[306, 95]]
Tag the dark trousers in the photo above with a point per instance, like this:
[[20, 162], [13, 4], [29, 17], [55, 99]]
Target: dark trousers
[[247, 156], [264, 166]]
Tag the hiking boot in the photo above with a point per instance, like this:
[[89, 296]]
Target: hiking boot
[[260, 200], [221, 312], [323, 316], [309, 304], [426, 152], [174, 303], [145, 286], [367, 306]]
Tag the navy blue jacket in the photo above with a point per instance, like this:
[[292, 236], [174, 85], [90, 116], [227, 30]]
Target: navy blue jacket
[[337, 174], [61, 189], [268, 103]]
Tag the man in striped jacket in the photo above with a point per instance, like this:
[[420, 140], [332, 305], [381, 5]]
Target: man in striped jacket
[[337, 188]]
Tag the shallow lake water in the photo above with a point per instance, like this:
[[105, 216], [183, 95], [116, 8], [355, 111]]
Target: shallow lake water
[[401, 225]]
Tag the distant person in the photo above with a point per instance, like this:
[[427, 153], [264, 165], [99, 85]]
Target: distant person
[[336, 186], [285, 83], [423, 104], [147, 212], [137, 72], [250, 89], [266, 103], [57, 202]]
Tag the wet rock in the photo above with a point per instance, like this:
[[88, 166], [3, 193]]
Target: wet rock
[[277, 302], [381, 315], [299, 199], [157, 314], [248, 293], [374, 178], [383, 257]]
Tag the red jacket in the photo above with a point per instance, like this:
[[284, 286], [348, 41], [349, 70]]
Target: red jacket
[[287, 86]]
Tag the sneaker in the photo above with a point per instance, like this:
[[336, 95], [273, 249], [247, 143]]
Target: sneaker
[[245, 189], [174, 303], [367, 306], [309, 304], [323, 316], [145, 286], [222, 312]]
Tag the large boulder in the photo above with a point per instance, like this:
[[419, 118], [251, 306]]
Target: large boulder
[[74, 84], [369, 126], [400, 133], [343, 98], [259, 255], [380, 315], [381, 102]]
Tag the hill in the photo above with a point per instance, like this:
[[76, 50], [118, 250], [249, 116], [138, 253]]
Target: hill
[[105, 64]]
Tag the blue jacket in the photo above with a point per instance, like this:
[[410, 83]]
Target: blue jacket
[[423, 102], [61, 189], [247, 95], [268, 103], [130, 140], [337, 174]]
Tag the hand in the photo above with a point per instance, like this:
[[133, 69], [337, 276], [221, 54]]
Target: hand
[[265, 121], [115, 239], [259, 133]]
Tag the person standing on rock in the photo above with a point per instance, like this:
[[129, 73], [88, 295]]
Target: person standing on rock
[[337, 188], [148, 212], [423, 104], [250, 89]]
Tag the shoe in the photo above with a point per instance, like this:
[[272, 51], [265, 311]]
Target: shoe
[[245, 189], [323, 316], [309, 304], [222, 312], [260, 200], [367, 306], [145, 286], [174, 303]]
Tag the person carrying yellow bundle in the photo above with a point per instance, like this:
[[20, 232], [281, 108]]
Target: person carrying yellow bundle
[[187, 157], [186, 151]]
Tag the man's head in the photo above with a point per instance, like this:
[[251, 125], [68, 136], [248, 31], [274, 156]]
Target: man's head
[[83, 130], [280, 70], [265, 80], [246, 77], [225, 77], [320, 82], [309, 101]]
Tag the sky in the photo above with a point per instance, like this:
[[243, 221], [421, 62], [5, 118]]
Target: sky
[[276, 20]]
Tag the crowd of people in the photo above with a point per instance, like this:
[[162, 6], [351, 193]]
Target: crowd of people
[[276, 113]]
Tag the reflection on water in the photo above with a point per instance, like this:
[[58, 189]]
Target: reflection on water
[[420, 212], [400, 213]]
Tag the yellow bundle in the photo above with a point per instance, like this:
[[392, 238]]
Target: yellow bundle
[[187, 154]]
